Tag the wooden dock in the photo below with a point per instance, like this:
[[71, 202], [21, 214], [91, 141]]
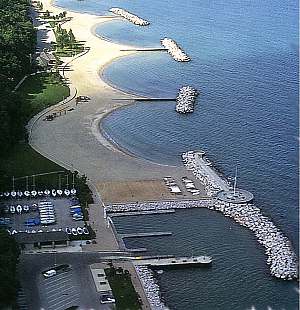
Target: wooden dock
[[150, 234], [174, 262]]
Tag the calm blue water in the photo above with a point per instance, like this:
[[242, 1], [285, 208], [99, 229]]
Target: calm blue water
[[245, 64]]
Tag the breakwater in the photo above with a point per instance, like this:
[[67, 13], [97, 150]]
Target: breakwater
[[185, 99], [130, 17], [175, 50], [151, 287], [281, 258]]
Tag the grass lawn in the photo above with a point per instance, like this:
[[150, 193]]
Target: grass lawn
[[41, 91], [123, 290]]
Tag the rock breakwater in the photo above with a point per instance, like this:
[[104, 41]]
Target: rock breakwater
[[185, 99], [175, 50], [130, 17]]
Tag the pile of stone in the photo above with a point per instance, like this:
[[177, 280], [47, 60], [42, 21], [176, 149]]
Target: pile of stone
[[185, 99], [130, 17], [175, 50], [151, 288]]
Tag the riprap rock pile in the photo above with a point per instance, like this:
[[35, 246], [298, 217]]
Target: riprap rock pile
[[130, 17], [175, 50], [185, 99]]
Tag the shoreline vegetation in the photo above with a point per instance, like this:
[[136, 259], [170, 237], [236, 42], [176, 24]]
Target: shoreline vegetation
[[18, 160]]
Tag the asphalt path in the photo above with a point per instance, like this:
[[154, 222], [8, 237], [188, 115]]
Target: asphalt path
[[72, 288]]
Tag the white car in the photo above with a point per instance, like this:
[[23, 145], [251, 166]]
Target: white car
[[49, 273]]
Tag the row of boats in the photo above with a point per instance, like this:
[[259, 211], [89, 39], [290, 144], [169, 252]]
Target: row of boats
[[34, 193], [175, 50], [185, 99], [130, 17], [18, 209], [150, 286], [69, 230]]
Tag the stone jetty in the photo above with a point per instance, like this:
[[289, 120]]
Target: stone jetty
[[175, 50], [185, 99], [280, 255], [130, 17], [151, 288]]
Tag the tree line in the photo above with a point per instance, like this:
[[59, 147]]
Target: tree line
[[17, 44]]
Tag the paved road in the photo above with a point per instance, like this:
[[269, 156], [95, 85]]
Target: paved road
[[71, 288]]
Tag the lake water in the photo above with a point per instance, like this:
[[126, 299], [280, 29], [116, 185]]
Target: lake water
[[245, 65]]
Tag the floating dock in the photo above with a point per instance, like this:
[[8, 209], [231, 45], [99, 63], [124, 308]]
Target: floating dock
[[150, 234], [173, 262]]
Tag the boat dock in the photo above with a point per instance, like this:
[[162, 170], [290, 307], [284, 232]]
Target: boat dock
[[136, 213], [173, 262], [150, 234]]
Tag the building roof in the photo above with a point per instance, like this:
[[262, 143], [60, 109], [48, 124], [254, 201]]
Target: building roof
[[24, 237]]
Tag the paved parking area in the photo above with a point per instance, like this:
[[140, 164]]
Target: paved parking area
[[62, 212], [59, 292]]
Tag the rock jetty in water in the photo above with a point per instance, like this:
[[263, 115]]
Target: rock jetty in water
[[175, 50], [185, 99], [280, 255], [130, 17]]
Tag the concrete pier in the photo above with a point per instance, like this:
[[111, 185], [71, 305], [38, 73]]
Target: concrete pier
[[175, 262], [136, 213]]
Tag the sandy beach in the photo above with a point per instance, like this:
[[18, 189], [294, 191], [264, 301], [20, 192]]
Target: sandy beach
[[74, 140]]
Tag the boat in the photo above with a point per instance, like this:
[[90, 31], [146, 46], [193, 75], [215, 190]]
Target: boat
[[33, 193], [46, 192], [14, 232], [66, 192], [33, 231], [19, 193], [40, 193], [6, 194], [27, 193], [12, 209], [79, 230], [26, 208], [53, 229], [53, 192], [85, 231], [73, 191], [68, 231], [13, 194], [74, 231], [19, 208], [59, 192]]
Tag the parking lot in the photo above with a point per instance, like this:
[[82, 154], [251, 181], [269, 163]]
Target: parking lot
[[61, 206], [60, 291]]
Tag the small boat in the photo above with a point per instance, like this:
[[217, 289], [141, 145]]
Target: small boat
[[46, 192], [40, 193], [59, 229], [68, 231], [33, 231], [73, 191], [40, 230], [9, 232], [59, 192], [159, 271], [79, 230], [85, 231], [12, 209], [66, 192], [27, 193], [26, 208], [19, 193], [53, 229], [14, 232], [53, 192], [1, 194], [19, 208], [6, 194], [33, 193], [74, 231], [13, 194]]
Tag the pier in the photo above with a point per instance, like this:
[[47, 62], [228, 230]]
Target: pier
[[147, 234], [136, 213], [174, 262], [154, 49]]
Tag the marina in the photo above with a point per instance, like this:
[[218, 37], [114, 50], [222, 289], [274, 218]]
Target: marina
[[130, 17], [175, 50]]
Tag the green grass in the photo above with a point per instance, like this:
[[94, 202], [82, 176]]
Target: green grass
[[123, 290], [41, 91]]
